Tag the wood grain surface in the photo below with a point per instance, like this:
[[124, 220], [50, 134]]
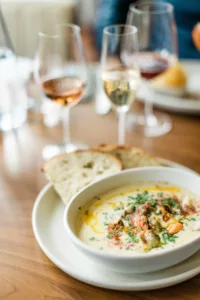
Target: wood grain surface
[[25, 272]]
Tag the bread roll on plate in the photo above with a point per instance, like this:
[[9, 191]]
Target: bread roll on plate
[[173, 81]]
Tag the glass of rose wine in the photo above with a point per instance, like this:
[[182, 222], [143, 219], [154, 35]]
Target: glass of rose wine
[[157, 38], [60, 69], [119, 74]]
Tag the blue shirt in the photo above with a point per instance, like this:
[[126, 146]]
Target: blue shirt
[[186, 12], [187, 15]]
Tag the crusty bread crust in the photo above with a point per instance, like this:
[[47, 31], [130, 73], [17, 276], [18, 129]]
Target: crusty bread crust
[[131, 157], [111, 147], [82, 150]]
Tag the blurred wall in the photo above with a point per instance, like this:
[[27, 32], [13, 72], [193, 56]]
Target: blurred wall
[[86, 12], [25, 18]]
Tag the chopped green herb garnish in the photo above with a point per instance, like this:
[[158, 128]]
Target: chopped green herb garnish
[[131, 198], [92, 238], [170, 202], [105, 216], [175, 213], [154, 202], [127, 248], [191, 219], [132, 237], [105, 224], [109, 236], [126, 218], [158, 213], [118, 208], [160, 194], [159, 226], [142, 198], [168, 237]]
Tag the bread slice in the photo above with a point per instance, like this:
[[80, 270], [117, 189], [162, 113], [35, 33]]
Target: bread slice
[[130, 157], [70, 172], [173, 81], [174, 77]]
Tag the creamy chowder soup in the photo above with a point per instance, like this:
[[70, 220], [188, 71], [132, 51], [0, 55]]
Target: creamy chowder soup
[[142, 218]]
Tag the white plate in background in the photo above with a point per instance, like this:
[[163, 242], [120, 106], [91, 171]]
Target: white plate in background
[[176, 104]]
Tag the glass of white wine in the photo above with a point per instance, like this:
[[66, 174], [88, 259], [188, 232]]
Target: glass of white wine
[[119, 72]]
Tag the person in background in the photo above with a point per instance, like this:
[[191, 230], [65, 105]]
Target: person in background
[[187, 15]]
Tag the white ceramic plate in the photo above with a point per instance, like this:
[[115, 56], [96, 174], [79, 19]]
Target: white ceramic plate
[[176, 104], [47, 221]]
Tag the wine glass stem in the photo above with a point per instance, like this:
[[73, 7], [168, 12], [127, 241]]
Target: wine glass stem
[[148, 108], [150, 118], [66, 125], [121, 127]]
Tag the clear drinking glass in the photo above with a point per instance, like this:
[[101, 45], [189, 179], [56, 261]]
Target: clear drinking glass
[[157, 38], [60, 68], [13, 100], [119, 73]]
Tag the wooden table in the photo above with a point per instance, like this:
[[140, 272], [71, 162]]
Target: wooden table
[[25, 272]]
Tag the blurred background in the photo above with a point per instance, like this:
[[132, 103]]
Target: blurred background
[[25, 18], [21, 20]]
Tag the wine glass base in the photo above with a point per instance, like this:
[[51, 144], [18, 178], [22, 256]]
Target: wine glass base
[[52, 150], [152, 126]]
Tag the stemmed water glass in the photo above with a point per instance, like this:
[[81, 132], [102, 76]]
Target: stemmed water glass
[[60, 69], [119, 74], [157, 40]]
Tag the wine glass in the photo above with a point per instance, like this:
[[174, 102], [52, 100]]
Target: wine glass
[[157, 38], [60, 69], [120, 74]]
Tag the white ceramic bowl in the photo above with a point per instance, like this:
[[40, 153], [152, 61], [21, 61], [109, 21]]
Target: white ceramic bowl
[[138, 263]]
